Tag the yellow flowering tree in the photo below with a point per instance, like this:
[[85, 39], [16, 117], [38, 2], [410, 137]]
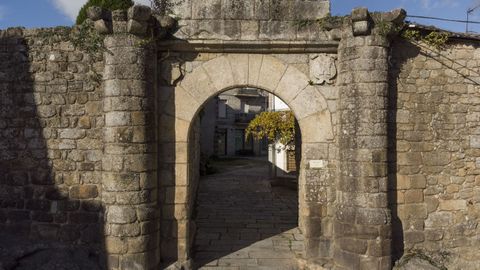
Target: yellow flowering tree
[[275, 126]]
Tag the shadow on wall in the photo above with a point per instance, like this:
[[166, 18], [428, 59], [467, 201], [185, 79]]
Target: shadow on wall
[[398, 246], [448, 62], [402, 52], [50, 211], [176, 204]]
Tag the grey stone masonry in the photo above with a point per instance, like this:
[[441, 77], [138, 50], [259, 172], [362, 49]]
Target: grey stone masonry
[[95, 155], [129, 161], [363, 220], [250, 20], [51, 124], [252, 9]]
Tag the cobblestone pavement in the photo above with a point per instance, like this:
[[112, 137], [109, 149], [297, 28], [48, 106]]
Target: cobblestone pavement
[[244, 223]]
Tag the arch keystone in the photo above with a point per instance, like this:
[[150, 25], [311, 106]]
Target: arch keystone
[[292, 82], [239, 65], [254, 65], [220, 72]]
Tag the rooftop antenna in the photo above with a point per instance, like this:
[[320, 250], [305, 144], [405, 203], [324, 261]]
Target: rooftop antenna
[[470, 11]]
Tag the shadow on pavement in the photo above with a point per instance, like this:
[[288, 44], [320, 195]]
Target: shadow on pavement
[[243, 221]]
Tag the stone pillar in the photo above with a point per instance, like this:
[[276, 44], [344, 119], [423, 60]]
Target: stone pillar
[[363, 220], [129, 163]]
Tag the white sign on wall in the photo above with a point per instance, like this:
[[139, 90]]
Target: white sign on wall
[[318, 164]]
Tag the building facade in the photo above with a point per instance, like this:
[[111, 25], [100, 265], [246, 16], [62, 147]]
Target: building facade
[[283, 158], [224, 120]]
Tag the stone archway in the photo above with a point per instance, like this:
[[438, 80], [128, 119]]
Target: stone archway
[[309, 107]]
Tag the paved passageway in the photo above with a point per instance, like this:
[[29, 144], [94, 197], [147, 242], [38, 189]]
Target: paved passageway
[[244, 223]]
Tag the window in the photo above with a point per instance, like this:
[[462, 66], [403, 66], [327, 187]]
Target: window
[[245, 108], [222, 108]]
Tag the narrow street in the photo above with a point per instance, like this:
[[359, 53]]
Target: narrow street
[[244, 223]]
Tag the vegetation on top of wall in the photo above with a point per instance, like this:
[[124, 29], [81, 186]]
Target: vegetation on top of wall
[[165, 7], [83, 37], [435, 39], [106, 4], [385, 28], [87, 39], [90, 41], [328, 22], [275, 126]]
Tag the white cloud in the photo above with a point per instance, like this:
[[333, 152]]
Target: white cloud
[[71, 7], [429, 4]]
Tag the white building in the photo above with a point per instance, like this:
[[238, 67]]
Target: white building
[[224, 120], [280, 156]]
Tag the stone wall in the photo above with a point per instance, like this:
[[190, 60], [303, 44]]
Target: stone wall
[[362, 225], [250, 20], [112, 163], [51, 121], [435, 192]]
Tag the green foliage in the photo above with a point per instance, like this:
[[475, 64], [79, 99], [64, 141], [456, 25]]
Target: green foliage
[[329, 22], [411, 34], [82, 14], [435, 39], [106, 4], [165, 7], [275, 126], [385, 28], [326, 23], [87, 39]]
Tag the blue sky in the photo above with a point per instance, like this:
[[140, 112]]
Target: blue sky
[[47, 13], [450, 9]]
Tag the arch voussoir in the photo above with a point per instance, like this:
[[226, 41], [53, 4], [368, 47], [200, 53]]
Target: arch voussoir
[[308, 101], [219, 79], [270, 73], [199, 85], [293, 81]]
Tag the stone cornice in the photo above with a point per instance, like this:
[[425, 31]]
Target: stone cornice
[[235, 46]]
